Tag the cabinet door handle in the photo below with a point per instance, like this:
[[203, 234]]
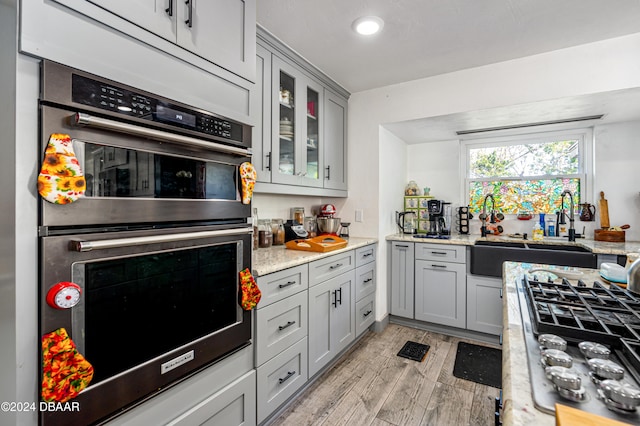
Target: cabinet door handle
[[500, 293], [328, 172], [441, 253], [368, 280], [287, 377], [269, 161], [366, 314], [500, 339], [169, 9], [337, 265], [335, 299], [439, 266], [340, 300], [189, 21], [287, 284], [287, 325]]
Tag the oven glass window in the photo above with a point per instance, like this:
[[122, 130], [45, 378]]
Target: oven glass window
[[121, 172], [137, 308]]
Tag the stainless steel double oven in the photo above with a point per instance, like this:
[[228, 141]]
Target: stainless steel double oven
[[154, 247]]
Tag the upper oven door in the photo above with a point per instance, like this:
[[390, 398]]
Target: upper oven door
[[140, 175]]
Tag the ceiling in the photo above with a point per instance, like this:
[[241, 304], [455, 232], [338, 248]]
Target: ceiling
[[423, 38]]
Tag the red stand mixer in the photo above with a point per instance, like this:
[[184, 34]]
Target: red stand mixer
[[327, 223]]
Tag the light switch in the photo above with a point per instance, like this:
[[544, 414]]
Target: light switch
[[359, 215]]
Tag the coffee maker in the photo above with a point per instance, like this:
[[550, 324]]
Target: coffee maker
[[439, 219]]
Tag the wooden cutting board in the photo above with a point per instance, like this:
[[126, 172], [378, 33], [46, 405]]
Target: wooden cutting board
[[609, 236], [604, 211], [569, 416]]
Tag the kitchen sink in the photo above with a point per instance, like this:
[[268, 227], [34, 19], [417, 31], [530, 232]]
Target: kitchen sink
[[487, 256]]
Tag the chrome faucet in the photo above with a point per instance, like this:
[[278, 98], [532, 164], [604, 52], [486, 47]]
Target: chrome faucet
[[483, 217], [572, 230]]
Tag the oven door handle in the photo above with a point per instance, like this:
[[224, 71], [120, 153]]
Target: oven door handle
[[83, 246], [80, 119]]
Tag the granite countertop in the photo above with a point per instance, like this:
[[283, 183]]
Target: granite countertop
[[277, 258], [518, 406], [598, 247]]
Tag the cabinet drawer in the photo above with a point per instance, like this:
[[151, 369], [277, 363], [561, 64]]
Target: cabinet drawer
[[281, 284], [441, 252], [329, 267], [279, 325], [365, 254], [280, 378], [365, 280], [365, 313]]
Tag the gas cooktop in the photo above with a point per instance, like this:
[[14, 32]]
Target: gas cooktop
[[557, 318]]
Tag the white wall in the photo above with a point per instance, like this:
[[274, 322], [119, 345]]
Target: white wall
[[597, 67], [617, 154]]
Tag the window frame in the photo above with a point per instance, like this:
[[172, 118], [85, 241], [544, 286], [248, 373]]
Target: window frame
[[585, 157]]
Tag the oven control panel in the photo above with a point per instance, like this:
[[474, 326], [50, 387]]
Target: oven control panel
[[125, 101]]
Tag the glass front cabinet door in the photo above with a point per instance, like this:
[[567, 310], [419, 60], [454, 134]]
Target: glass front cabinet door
[[296, 142]]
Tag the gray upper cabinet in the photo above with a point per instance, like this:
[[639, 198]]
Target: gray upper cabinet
[[220, 31], [300, 140], [335, 141]]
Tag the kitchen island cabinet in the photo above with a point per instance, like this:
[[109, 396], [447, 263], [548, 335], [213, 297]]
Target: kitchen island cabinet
[[484, 304]]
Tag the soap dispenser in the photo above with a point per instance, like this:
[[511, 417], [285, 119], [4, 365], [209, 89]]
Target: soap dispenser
[[538, 234]]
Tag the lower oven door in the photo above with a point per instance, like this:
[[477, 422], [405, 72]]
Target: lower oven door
[[155, 306]]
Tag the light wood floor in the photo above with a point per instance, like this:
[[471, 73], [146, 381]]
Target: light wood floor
[[371, 385]]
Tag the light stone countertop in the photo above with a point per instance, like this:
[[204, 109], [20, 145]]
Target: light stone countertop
[[277, 258], [518, 406], [597, 247]]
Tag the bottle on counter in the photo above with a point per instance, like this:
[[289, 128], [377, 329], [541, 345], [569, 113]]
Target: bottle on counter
[[542, 224], [551, 225], [537, 234]]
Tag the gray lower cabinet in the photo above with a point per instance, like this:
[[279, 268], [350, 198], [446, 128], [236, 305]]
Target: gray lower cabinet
[[332, 313], [365, 287], [280, 378], [402, 279], [440, 284], [484, 304]]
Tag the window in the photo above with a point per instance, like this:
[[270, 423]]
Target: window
[[526, 173]]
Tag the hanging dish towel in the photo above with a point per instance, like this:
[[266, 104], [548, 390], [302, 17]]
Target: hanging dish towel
[[65, 372], [251, 294], [248, 175], [60, 180]]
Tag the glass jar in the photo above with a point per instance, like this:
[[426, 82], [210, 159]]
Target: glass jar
[[311, 226], [297, 214], [265, 234], [277, 229]]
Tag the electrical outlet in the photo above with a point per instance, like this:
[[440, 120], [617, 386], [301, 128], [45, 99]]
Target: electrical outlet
[[359, 215]]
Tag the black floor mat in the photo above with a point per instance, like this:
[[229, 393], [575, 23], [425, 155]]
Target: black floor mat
[[414, 351], [479, 364]]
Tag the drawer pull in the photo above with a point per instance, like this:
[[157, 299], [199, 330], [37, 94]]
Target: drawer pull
[[287, 284], [500, 293], [402, 246], [441, 253], [287, 377], [368, 280], [287, 325], [337, 265], [367, 254], [438, 266], [500, 339], [366, 314]]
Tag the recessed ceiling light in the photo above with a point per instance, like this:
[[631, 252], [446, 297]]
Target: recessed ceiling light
[[367, 25]]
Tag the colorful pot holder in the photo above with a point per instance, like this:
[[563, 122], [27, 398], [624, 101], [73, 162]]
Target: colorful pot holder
[[251, 294], [248, 175], [60, 180], [65, 372]]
